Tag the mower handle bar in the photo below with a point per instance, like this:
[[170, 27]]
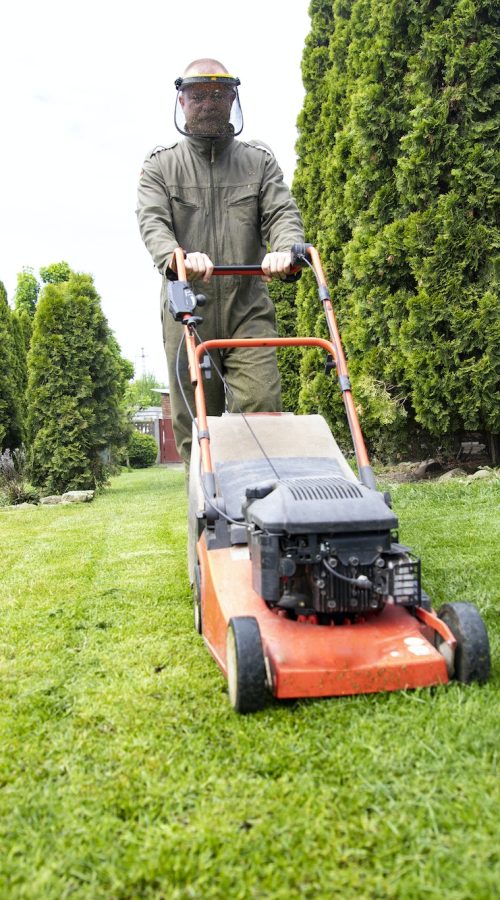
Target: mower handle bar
[[302, 254], [299, 253], [293, 275]]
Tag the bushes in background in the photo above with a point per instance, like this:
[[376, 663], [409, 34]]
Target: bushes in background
[[142, 450]]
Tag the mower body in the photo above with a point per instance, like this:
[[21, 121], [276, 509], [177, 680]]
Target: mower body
[[313, 557]]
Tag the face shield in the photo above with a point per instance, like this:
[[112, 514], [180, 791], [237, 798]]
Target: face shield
[[208, 106]]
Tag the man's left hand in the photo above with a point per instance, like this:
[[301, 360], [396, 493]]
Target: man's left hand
[[276, 264]]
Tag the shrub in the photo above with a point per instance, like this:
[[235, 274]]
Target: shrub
[[13, 484], [142, 450]]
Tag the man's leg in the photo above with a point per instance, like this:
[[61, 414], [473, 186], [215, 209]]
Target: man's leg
[[178, 368], [252, 372], [253, 380]]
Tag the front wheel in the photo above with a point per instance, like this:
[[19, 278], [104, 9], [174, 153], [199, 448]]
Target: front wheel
[[246, 669], [472, 653]]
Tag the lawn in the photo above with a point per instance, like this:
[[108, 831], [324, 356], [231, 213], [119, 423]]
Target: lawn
[[125, 774]]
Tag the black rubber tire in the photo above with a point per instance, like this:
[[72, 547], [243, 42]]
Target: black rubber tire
[[198, 624], [472, 654], [246, 669]]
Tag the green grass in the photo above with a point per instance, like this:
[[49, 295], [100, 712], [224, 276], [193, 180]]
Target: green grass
[[125, 774]]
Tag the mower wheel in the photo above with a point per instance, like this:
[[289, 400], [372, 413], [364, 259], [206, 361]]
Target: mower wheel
[[246, 669], [197, 599], [472, 653]]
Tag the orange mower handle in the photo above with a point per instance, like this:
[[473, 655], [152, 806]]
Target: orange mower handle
[[302, 254]]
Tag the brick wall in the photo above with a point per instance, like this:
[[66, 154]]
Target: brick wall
[[166, 410]]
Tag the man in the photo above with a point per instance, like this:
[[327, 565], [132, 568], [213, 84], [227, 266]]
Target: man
[[222, 201]]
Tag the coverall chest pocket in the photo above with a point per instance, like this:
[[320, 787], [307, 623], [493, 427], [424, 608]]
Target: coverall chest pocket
[[244, 226], [186, 219]]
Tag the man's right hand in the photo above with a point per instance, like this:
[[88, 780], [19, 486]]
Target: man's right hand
[[198, 265]]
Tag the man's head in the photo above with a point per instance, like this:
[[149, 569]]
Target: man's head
[[207, 100]]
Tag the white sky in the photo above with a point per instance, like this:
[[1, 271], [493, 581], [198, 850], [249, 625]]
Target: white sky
[[86, 90]]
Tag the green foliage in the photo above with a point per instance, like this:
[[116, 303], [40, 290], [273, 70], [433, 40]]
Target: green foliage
[[141, 393], [402, 208], [56, 273], [142, 450], [12, 376], [76, 385], [20, 325], [283, 296], [27, 290]]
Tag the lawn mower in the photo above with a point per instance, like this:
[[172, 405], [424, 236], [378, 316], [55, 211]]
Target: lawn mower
[[301, 586]]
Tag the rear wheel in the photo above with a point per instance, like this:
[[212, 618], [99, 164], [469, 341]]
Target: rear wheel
[[246, 669], [472, 653]]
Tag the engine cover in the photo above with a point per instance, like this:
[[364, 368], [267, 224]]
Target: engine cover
[[318, 503], [324, 545]]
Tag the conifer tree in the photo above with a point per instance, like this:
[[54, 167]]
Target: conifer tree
[[20, 365], [76, 384], [283, 295], [11, 422], [396, 139]]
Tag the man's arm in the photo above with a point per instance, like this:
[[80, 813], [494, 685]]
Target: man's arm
[[154, 214], [281, 224]]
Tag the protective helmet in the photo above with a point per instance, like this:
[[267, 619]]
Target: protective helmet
[[208, 106]]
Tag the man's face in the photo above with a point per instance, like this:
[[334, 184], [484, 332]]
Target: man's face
[[207, 108]]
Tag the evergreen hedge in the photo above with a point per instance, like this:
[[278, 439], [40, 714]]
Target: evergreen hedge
[[283, 295], [397, 180]]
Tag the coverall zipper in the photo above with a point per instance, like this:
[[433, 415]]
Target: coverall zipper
[[218, 322]]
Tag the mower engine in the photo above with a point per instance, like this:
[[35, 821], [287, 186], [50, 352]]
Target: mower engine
[[324, 545]]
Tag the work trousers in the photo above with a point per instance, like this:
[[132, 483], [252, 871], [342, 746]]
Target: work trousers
[[252, 382]]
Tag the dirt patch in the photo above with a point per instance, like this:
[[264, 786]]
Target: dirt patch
[[435, 470]]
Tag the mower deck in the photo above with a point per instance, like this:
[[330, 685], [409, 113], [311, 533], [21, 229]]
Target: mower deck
[[387, 651]]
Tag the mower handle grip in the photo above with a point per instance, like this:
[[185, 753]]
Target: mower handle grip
[[299, 253], [299, 259], [293, 275]]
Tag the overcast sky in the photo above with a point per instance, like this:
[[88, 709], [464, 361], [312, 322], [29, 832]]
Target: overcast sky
[[87, 89]]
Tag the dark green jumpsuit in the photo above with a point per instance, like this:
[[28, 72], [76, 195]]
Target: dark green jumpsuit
[[225, 198]]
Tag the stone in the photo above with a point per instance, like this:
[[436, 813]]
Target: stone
[[22, 506], [78, 496], [427, 467], [453, 473], [481, 473], [51, 500]]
